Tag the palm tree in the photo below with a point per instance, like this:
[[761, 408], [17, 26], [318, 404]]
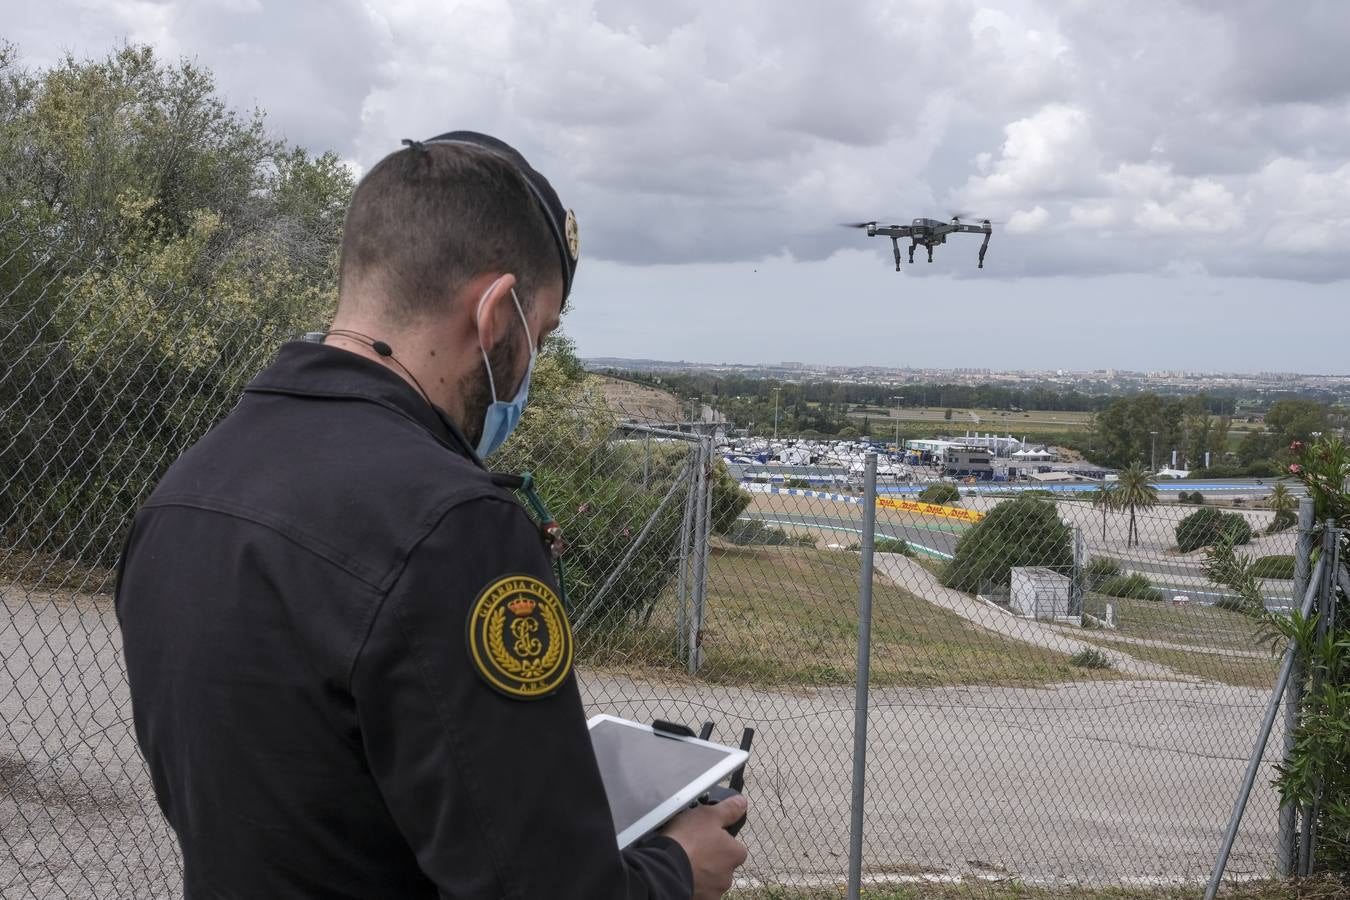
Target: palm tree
[[1134, 491], [1284, 504], [1105, 500]]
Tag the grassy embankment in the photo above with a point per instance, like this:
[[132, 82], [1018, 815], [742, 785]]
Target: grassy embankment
[[1208, 629], [787, 617]]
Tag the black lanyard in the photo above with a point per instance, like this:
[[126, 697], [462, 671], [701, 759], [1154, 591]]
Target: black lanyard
[[549, 530]]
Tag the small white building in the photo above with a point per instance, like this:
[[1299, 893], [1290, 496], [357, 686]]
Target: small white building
[[1040, 593]]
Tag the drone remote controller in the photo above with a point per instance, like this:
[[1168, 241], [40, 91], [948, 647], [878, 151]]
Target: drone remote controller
[[717, 793]]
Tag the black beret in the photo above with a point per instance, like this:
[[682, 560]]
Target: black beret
[[560, 220]]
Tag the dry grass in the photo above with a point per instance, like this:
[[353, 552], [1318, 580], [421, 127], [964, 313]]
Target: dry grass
[[46, 571], [1239, 671], [1191, 623], [788, 617], [636, 401]]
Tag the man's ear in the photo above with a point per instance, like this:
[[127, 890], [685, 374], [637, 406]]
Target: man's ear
[[494, 310]]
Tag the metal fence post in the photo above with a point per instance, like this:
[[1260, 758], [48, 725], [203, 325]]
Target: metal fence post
[[1263, 736], [863, 675], [707, 530], [1286, 844], [1308, 833], [700, 560], [686, 527]]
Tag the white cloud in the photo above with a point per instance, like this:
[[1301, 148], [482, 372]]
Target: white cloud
[[1092, 215], [1043, 154], [1027, 221], [686, 132], [1203, 206]]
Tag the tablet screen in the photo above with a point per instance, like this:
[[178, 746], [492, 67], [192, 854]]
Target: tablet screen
[[643, 770]]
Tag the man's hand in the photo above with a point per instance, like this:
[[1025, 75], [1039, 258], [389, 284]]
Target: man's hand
[[713, 853]]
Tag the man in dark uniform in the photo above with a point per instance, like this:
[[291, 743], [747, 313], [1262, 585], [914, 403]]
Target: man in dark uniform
[[350, 669]]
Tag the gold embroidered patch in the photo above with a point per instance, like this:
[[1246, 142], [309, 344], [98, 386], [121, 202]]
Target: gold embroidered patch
[[573, 236], [519, 637]]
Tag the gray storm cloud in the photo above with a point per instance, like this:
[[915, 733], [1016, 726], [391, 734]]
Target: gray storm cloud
[[1109, 138]]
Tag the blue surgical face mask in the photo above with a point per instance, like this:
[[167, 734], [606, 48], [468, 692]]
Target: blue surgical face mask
[[502, 417]]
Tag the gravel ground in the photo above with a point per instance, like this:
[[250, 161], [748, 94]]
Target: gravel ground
[[1097, 782]]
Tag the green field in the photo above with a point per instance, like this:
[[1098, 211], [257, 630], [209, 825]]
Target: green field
[[995, 420]]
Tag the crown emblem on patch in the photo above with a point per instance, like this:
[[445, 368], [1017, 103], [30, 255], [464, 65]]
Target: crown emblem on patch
[[521, 606]]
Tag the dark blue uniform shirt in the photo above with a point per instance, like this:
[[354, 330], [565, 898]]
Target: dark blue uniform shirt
[[293, 600]]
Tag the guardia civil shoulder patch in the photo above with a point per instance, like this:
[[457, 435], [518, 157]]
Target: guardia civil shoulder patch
[[519, 638]]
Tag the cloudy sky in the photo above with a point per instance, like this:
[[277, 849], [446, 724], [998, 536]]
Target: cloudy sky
[[1172, 179]]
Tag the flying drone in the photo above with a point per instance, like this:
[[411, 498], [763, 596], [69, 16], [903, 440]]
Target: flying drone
[[926, 232]]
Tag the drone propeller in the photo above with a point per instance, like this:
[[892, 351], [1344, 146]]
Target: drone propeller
[[855, 224], [960, 216]]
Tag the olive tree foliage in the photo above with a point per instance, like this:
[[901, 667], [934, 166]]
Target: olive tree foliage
[[1025, 531], [155, 248]]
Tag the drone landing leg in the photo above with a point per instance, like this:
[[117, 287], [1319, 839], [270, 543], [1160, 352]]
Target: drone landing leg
[[930, 252], [984, 245], [911, 252], [895, 243]]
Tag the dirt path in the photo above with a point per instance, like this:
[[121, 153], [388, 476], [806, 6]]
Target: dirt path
[[909, 574]]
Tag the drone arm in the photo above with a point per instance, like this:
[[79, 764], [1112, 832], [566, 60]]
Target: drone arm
[[893, 231]]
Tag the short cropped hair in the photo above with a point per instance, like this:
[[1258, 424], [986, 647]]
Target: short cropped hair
[[428, 219]]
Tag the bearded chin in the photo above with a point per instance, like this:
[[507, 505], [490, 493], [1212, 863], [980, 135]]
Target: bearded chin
[[477, 391]]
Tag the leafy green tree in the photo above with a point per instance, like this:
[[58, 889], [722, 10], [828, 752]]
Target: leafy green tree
[[1296, 420], [1218, 439], [1123, 431], [1024, 531], [1135, 492], [1207, 527], [1197, 425], [160, 247], [1318, 773], [728, 500], [1256, 446]]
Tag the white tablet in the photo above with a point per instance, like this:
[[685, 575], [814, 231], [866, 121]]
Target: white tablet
[[650, 775]]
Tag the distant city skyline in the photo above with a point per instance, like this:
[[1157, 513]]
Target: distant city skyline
[[641, 363]]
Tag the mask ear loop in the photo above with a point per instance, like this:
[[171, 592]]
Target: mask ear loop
[[478, 314], [525, 323]]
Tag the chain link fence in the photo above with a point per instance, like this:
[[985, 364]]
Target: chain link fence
[[1058, 692]]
